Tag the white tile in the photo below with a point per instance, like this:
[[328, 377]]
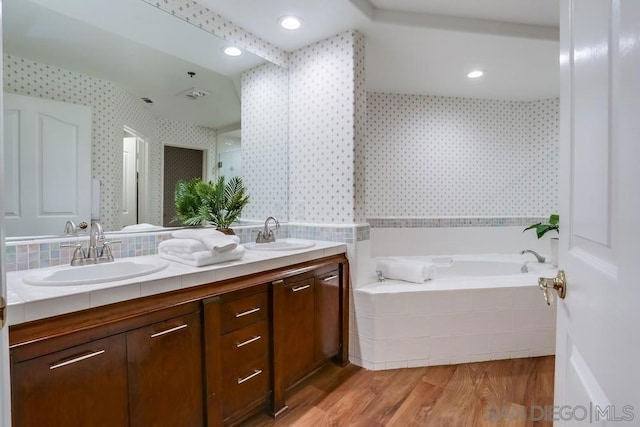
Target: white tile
[[439, 361], [452, 323], [420, 303], [159, 286], [15, 314], [112, 295], [449, 346], [391, 304], [456, 360], [542, 339], [373, 366], [394, 350], [418, 363], [334, 250], [355, 360], [396, 365], [492, 299], [363, 303], [401, 327], [542, 352], [520, 354], [479, 344], [528, 297], [450, 301], [483, 357], [189, 280], [55, 306], [502, 342], [364, 326], [494, 321], [418, 348]]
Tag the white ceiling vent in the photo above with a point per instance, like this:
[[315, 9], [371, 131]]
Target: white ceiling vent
[[194, 93]]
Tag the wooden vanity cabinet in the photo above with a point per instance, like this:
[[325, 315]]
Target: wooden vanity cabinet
[[165, 373], [237, 354], [85, 385], [328, 301], [136, 373]]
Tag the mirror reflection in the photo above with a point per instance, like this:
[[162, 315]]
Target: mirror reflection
[[151, 82]]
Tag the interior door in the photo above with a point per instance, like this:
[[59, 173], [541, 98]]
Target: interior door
[[5, 396], [129, 181], [597, 352]]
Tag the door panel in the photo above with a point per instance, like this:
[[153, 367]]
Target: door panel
[[596, 357]]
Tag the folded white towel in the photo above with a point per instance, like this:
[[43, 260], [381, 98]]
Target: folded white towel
[[409, 271], [214, 240], [201, 258], [182, 246]]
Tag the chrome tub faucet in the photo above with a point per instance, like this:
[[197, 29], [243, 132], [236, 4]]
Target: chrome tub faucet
[[539, 257]]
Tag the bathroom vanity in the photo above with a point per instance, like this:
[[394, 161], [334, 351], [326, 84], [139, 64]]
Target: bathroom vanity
[[206, 353]]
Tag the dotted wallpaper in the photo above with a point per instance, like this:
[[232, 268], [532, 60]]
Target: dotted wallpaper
[[198, 15], [265, 158], [322, 131], [430, 156], [360, 95], [112, 109]]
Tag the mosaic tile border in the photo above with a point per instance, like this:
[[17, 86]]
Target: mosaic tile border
[[48, 253], [453, 222]]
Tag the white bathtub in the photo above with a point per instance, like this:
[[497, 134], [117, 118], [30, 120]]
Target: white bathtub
[[479, 307]]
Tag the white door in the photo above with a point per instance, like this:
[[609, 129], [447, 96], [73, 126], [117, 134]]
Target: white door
[[47, 149], [598, 350], [230, 164], [5, 397], [129, 181]]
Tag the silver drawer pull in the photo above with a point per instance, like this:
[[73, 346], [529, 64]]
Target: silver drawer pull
[[326, 279], [245, 313], [300, 288], [168, 331], [76, 359], [249, 341], [256, 372]]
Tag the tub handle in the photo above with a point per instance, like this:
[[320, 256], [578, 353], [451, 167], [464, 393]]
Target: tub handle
[[559, 283], [380, 276]]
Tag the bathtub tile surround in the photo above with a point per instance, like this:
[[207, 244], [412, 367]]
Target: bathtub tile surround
[[454, 157], [412, 329], [112, 109], [453, 222]]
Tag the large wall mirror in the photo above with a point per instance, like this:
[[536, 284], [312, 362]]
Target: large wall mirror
[[149, 81]]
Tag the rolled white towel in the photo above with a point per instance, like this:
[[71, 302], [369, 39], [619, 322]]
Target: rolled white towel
[[214, 240], [182, 246], [409, 271], [201, 258]]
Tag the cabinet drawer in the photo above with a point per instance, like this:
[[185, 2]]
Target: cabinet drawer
[[244, 311], [245, 386], [246, 344]]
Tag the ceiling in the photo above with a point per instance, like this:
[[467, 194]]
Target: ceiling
[[426, 46]]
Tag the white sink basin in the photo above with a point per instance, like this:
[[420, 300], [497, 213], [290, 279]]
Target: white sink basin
[[94, 273], [280, 245]]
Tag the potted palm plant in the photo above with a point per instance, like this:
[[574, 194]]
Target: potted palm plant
[[217, 203], [543, 228]]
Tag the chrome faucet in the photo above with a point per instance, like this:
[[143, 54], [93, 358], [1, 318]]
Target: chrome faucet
[[539, 257], [92, 256], [267, 235], [70, 228]]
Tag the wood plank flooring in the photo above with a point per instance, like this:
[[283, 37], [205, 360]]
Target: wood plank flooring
[[494, 394]]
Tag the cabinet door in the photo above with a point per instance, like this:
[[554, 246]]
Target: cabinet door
[[80, 386], [327, 315], [298, 326], [165, 373]]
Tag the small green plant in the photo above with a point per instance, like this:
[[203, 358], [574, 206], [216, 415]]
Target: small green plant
[[543, 227], [199, 202]]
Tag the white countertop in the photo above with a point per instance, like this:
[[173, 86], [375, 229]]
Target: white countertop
[[29, 302]]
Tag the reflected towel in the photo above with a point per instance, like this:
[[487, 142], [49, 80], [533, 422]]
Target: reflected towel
[[213, 240], [201, 258], [409, 271]]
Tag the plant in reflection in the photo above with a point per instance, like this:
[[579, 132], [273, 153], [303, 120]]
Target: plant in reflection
[[218, 203]]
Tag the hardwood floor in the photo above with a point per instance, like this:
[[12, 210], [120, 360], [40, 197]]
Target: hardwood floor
[[502, 393]]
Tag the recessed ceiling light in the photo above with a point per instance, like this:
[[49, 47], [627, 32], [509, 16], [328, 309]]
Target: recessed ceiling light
[[475, 74], [232, 51], [290, 22]]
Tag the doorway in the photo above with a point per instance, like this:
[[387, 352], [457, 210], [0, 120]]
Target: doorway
[[135, 178], [179, 164]]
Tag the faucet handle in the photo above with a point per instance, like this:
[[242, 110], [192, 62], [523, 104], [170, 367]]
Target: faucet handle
[[78, 255]]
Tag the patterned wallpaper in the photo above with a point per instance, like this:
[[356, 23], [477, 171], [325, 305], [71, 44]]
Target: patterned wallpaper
[[322, 129], [430, 156], [200, 16], [265, 158], [112, 108]]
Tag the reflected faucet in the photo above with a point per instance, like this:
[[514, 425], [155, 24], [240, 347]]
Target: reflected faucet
[[539, 257], [70, 228], [267, 235]]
